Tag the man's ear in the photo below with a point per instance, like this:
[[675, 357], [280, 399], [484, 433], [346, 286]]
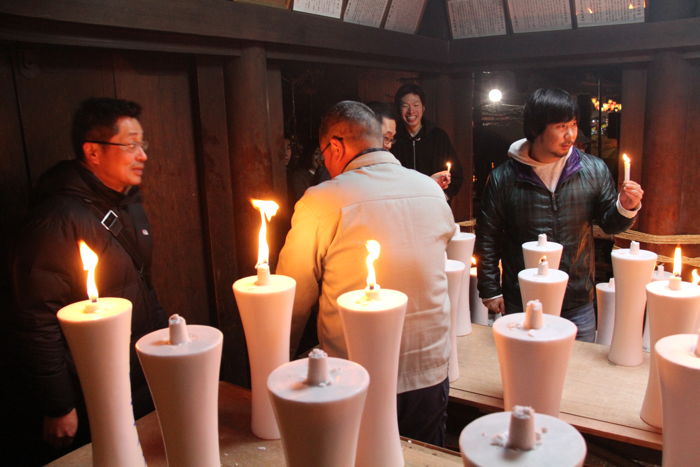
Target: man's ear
[[90, 152]]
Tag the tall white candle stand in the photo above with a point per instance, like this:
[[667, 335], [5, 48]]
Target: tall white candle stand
[[678, 362], [544, 284], [533, 251], [455, 277], [658, 275], [632, 270], [373, 324], [99, 333], [266, 313], [182, 364], [318, 402], [521, 438], [605, 300], [533, 354], [460, 248], [673, 307], [479, 312]]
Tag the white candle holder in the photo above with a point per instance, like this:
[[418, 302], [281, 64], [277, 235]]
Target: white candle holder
[[373, 331], [479, 312], [533, 251], [678, 363], [658, 275], [455, 277], [544, 284], [605, 298], [460, 248], [318, 402], [266, 314], [99, 333], [670, 312], [533, 362], [182, 365], [632, 270]]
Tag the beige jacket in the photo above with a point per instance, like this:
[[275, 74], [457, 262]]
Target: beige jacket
[[375, 198]]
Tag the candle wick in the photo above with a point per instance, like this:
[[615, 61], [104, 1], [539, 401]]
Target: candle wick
[[93, 299]]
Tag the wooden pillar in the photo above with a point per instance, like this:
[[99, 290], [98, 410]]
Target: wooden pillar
[[669, 88], [249, 148], [463, 103], [634, 84]]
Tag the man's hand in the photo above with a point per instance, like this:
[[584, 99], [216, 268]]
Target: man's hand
[[495, 305], [631, 195], [443, 178], [60, 431]]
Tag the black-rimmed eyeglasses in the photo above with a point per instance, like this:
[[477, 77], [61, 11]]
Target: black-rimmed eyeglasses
[[129, 147]]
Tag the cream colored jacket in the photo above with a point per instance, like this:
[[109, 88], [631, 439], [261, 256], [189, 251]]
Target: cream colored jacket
[[375, 198]]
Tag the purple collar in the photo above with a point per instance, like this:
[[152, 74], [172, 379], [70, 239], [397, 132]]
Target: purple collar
[[573, 165]]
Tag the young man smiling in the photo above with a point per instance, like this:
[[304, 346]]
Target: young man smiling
[[548, 186]]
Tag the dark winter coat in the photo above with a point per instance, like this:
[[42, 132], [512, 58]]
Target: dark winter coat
[[516, 207], [69, 204]]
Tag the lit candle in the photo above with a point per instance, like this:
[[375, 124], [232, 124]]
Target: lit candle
[[98, 330], [479, 313], [544, 284], [695, 277], [460, 248], [373, 324], [265, 304], [626, 162], [372, 289], [533, 251], [449, 166], [673, 307]]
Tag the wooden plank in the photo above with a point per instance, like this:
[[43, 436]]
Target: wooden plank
[[238, 445], [599, 398]]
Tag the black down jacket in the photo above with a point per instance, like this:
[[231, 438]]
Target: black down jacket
[[516, 207], [69, 203]]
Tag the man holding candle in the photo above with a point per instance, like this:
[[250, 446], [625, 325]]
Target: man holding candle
[[95, 198], [371, 196], [549, 186]]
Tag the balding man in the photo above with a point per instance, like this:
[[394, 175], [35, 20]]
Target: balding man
[[371, 196]]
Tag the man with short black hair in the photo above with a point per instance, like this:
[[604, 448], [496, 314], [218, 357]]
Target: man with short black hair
[[549, 186], [372, 197], [387, 119], [95, 198]]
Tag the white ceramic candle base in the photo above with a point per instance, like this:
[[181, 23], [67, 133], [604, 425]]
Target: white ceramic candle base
[[679, 375], [605, 300], [460, 248], [373, 331], [455, 277], [184, 383], [533, 251], [548, 288], [320, 423], [670, 312], [658, 275], [632, 273], [266, 313], [533, 362], [483, 443], [95, 339], [479, 312]]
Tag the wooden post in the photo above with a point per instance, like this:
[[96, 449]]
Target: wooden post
[[463, 103]]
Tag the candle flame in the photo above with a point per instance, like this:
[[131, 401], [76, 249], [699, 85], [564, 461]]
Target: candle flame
[[449, 166], [677, 262], [590, 11], [695, 277], [90, 260], [626, 159], [473, 260], [543, 259], [373, 249], [267, 210]]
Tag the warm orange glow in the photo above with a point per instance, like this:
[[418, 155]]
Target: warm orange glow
[[267, 210], [677, 262], [630, 6], [449, 166], [626, 159], [373, 249], [90, 260], [695, 277], [590, 11], [473, 260]]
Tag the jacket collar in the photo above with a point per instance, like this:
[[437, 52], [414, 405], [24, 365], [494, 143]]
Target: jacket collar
[[573, 165], [371, 158]]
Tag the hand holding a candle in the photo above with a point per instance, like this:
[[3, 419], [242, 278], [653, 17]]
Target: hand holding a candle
[[444, 177], [631, 195]]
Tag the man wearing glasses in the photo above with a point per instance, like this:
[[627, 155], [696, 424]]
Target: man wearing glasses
[[95, 198], [372, 197]]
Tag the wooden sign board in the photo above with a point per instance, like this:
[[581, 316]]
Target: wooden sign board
[[476, 18], [404, 15], [365, 12], [539, 15], [605, 12], [331, 8]]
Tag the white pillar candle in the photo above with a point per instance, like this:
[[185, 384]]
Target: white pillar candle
[[455, 277], [318, 403], [479, 312], [658, 275], [533, 251], [626, 162], [182, 365], [632, 269], [544, 284], [461, 248], [678, 364], [670, 312], [373, 326], [605, 299], [99, 332]]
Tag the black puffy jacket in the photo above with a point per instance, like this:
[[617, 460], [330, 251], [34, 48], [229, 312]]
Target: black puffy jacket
[[516, 207], [69, 203]]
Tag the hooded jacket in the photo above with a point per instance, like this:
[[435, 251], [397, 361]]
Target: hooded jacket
[[516, 207], [69, 204]]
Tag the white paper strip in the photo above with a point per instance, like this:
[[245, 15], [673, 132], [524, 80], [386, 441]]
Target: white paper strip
[[476, 18]]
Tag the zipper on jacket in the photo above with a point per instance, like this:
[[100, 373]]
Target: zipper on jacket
[[555, 206], [413, 141]]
